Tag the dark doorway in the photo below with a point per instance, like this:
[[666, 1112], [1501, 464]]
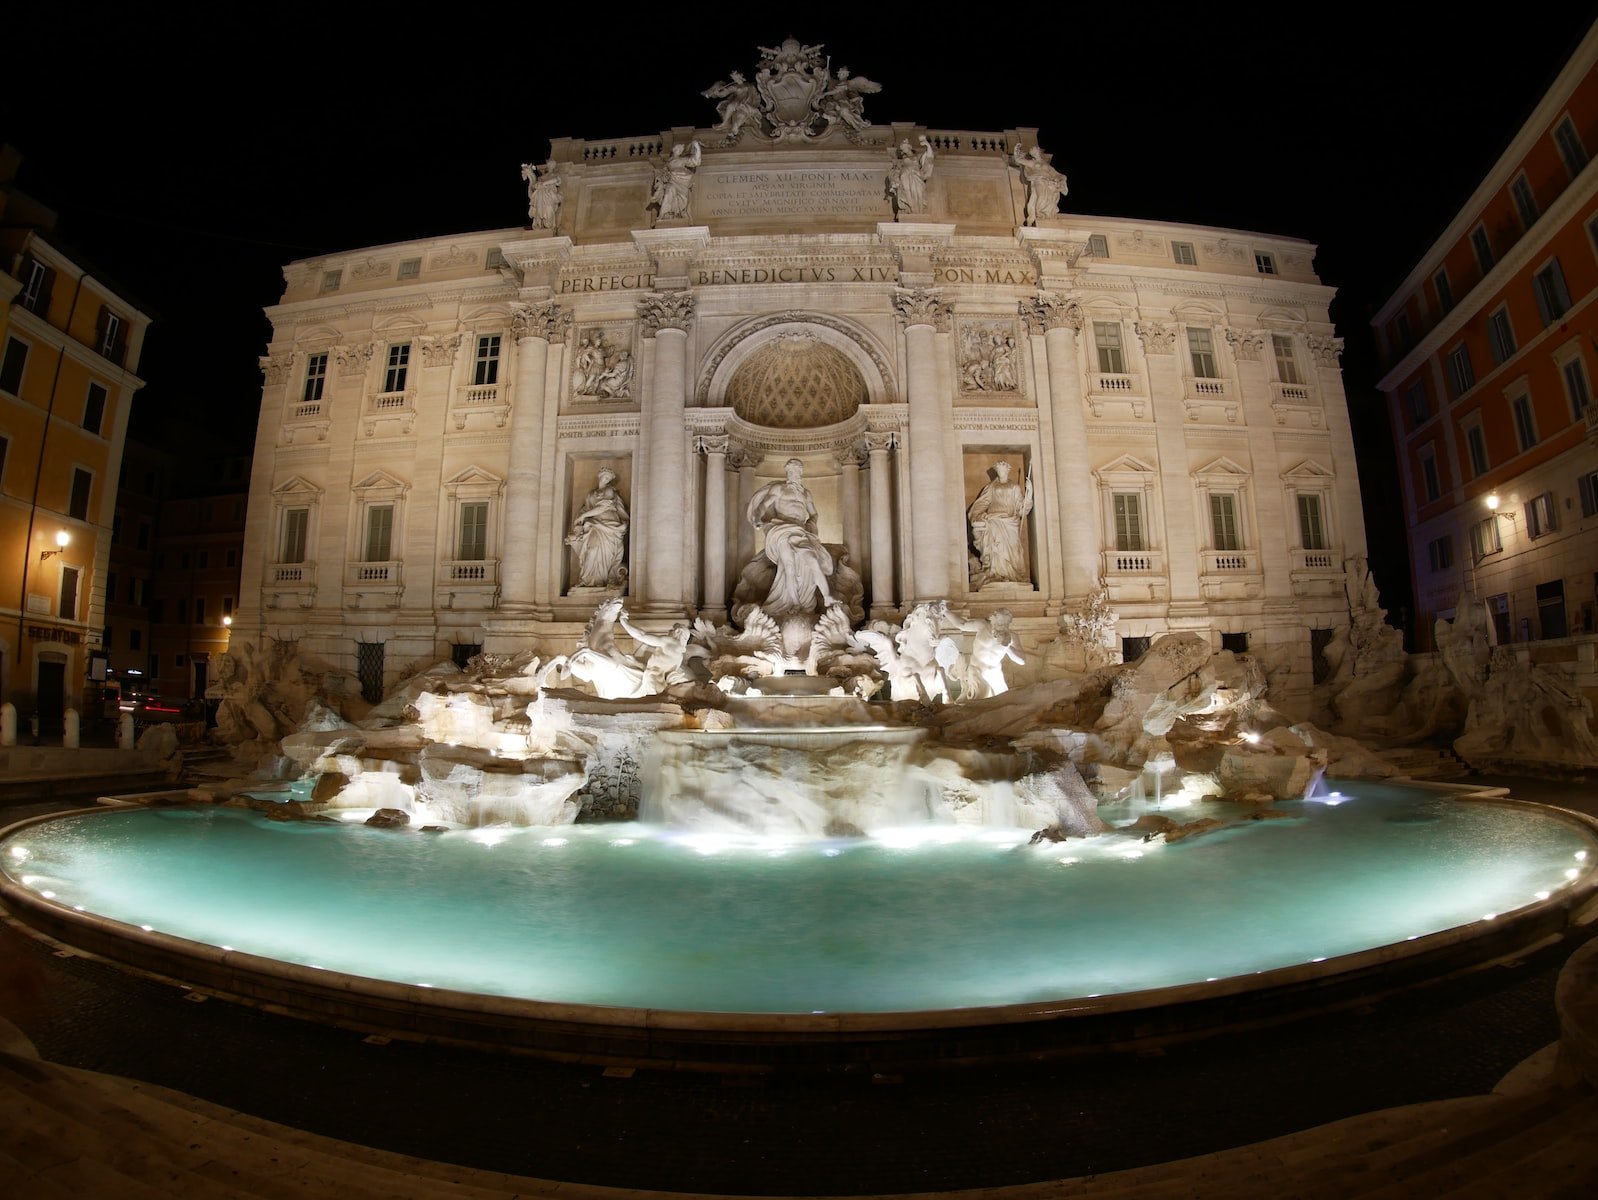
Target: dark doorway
[[52, 696], [202, 676], [1237, 643], [1551, 608]]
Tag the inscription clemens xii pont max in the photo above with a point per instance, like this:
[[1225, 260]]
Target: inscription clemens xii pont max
[[794, 193]]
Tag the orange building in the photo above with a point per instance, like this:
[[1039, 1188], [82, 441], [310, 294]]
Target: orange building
[[68, 347], [1491, 349]]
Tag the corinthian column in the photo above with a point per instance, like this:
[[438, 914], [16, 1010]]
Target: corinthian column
[[849, 459], [714, 578], [877, 447], [923, 313], [1060, 318], [666, 317], [534, 326]]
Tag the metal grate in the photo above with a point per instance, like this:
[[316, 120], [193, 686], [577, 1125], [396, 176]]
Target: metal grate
[[369, 666]]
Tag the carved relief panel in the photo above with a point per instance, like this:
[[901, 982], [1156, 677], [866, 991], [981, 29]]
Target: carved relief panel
[[604, 362], [988, 356]]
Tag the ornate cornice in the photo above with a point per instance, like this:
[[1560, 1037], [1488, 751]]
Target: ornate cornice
[[922, 306], [666, 310], [546, 319]]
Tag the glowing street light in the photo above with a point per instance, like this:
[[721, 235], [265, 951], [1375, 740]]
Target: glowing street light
[[62, 540]]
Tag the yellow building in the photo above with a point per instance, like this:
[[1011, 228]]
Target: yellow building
[[68, 346]]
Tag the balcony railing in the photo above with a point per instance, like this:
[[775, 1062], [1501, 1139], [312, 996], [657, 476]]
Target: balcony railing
[[1315, 560], [1291, 393], [299, 574], [393, 402], [480, 570], [1114, 385], [1134, 562], [1226, 562], [477, 394], [308, 411], [481, 399], [1206, 391], [373, 575]]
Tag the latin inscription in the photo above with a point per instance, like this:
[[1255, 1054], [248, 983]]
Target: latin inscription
[[606, 283], [793, 275], [986, 275], [796, 193]]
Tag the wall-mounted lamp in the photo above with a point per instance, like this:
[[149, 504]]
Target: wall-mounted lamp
[[227, 622], [1492, 503], [62, 540]]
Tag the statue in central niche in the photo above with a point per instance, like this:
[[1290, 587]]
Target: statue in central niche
[[998, 528], [786, 513]]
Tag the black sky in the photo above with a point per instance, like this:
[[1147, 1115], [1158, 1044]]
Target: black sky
[[191, 150]]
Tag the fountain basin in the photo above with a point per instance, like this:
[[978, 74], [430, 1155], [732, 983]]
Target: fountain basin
[[625, 944]]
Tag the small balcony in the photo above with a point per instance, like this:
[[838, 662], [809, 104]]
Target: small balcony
[[373, 584], [467, 584], [1135, 576], [1317, 572], [1305, 561], [290, 585], [1230, 575], [1133, 562], [305, 421], [1295, 403], [386, 407], [1221, 562], [1203, 396], [480, 403], [1106, 387]]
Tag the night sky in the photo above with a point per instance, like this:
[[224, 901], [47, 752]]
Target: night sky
[[191, 150]]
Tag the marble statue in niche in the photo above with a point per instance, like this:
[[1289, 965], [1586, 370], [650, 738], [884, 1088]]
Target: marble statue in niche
[[906, 181], [786, 513], [988, 358], [998, 528], [601, 370], [674, 182], [1044, 185], [543, 195], [598, 536]]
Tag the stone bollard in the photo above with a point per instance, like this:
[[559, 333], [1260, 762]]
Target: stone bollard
[[126, 738], [8, 724], [69, 735]]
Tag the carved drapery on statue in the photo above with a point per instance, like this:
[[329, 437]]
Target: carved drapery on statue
[[998, 529], [1044, 185], [905, 183], [598, 536], [786, 513]]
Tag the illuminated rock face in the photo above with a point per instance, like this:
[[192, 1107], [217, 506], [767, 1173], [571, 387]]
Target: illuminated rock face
[[442, 419]]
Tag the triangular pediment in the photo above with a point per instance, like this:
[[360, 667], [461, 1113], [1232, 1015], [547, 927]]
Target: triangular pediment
[[296, 485], [1311, 470], [1126, 464], [472, 475], [381, 481], [1222, 466]]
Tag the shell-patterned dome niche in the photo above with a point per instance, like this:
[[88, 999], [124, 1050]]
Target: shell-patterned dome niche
[[796, 381]]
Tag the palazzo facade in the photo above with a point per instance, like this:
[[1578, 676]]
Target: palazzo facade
[[900, 309]]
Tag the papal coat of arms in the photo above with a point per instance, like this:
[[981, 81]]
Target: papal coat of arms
[[795, 96]]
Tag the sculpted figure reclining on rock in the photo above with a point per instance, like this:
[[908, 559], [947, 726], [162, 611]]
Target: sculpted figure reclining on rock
[[786, 513]]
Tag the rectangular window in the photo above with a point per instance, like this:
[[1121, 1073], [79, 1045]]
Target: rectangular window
[[1286, 364], [1461, 375], [1265, 264], [144, 535], [1445, 290], [227, 606], [1182, 252], [486, 369], [110, 333], [1311, 530], [1476, 444], [1442, 552], [315, 378], [111, 586], [232, 558], [331, 280], [1570, 147], [295, 521], [1484, 537], [474, 531], [205, 558], [1107, 340], [1525, 200], [379, 532], [94, 408], [1128, 520], [1098, 246], [1201, 347], [1553, 300], [135, 639], [1551, 608], [183, 610], [1223, 521], [409, 268], [1428, 472], [1501, 334], [69, 594], [369, 669], [1525, 429], [1577, 389], [399, 365], [1406, 336], [1540, 515], [1418, 401], [1587, 485], [199, 610], [11, 366], [1482, 245], [78, 505], [36, 280]]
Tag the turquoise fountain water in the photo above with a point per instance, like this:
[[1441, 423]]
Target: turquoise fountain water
[[929, 917]]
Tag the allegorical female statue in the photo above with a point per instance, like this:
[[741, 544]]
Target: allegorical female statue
[[787, 514], [998, 528], [598, 533]]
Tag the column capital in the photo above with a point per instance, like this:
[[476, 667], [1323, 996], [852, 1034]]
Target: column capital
[[740, 456], [1051, 310], [439, 351], [1156, 336], [276, 367], [1327, 351], [352, 359], [850, 454], [547, 320], [712, 443], [922, 306], [881, 442], [1247, 344], [666, 310]]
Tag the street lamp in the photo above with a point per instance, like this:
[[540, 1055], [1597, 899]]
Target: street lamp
[[62, 540]]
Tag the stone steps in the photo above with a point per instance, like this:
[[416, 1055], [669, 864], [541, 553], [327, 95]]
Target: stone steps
[[72, 1133], [1425, 762]]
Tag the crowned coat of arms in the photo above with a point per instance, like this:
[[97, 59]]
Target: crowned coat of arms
[[795, 96]]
